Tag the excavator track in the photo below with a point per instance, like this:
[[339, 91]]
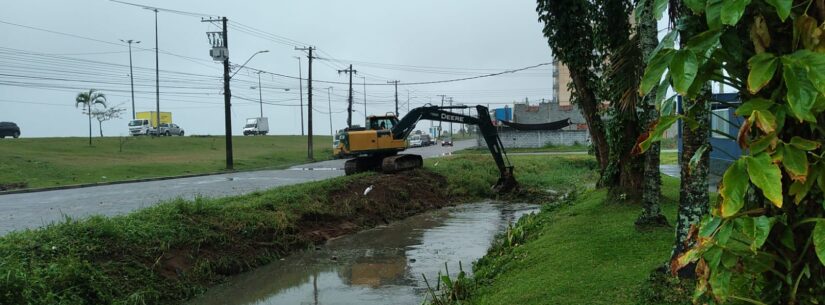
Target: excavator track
[[383, 164], [397, 163]]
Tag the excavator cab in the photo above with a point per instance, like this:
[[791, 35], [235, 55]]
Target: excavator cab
[[385, 122]]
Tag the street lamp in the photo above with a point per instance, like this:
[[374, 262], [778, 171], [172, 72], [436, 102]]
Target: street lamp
[[131, 73], [246, 62]]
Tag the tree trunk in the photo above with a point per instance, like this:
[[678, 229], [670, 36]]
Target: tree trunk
[[652, 190], [625, 174], [589, 106], [693, 194], [100, 127], [89, 109]]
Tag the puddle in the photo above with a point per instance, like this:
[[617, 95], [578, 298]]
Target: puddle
[[379, 266], [315, 169]]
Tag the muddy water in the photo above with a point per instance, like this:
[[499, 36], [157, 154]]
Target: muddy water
[[379, 266]]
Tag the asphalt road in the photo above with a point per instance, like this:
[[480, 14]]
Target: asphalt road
[[33, 210]]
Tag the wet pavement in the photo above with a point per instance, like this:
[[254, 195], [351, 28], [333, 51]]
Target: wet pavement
[[378, 266], [33, 210]]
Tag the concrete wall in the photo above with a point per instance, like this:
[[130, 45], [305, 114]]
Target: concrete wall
[[533, 139]]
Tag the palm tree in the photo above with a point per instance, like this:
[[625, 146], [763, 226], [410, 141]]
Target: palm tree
[[88, 100]]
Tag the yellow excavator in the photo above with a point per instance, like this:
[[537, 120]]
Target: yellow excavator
[[376, 146]]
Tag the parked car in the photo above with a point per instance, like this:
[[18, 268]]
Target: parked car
[[9, 129], [447, 142], [169, 130]]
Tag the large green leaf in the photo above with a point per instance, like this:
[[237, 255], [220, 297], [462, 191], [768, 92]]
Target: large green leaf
[[747, 108], [783, 8], [814, 63], [700, 43], [734, 187], [762, 143], [720, 283], [762, 68], [656, 132], [801, 92], [683, 69], [659, 7], [732, 11], [795, 162], [766, 176], [761, 229], [819, 240], [804, 144], [654, 70], [697, 6], [713, 12]]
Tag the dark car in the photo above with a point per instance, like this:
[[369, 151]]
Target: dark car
[[447, 142], [9, 129]]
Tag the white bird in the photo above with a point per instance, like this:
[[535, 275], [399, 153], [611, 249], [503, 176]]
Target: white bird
[[368, 190]]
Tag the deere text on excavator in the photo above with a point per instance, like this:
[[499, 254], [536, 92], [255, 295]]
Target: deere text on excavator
[[377, 145]]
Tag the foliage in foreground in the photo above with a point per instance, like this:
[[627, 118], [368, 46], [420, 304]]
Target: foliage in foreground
[[764, 243]]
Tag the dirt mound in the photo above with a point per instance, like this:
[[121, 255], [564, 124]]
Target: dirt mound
[[375, 200]]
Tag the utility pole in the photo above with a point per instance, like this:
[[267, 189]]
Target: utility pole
[[309, 100], [329, 104], [349, 71], [131, 74], [220, 51], [157, 73], [260, 95], [365, 100], [408, 100], [396, 94], [301, 92]]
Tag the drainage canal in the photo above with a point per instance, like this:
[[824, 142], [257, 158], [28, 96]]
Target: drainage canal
[[378, 266]]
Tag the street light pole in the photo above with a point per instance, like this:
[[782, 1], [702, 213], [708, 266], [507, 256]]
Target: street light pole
[[131, 74], [329, 101], [260, 95]]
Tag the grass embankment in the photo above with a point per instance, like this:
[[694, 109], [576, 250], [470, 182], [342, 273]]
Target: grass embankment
[[45, 162], [172, 251], [584, 252]]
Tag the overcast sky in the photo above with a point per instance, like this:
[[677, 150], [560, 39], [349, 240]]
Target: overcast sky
[[411, 41]]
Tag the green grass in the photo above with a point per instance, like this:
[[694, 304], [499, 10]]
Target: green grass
[[45, 162], [472, 174], [588, 252], [669, 158]]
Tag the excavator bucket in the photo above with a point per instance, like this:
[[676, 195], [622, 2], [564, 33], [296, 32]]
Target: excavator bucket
[[506, 183]]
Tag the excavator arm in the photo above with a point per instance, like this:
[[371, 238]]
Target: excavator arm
[[506, 181]]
